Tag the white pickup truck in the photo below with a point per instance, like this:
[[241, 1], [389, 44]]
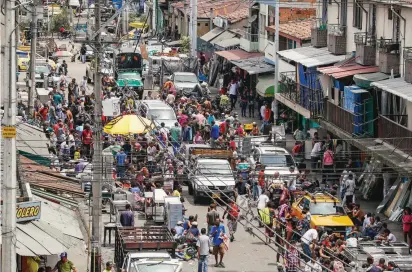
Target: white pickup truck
[[150, 261]]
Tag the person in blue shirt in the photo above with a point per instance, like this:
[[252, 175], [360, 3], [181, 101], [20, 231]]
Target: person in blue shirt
[[214, 133], [120, 162], [218, 246], [194, 230], [188, 223], [211, 118], [179, 229]]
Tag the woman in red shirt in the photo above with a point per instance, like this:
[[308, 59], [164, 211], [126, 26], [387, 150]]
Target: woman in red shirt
[[406, 224], [87, 139]]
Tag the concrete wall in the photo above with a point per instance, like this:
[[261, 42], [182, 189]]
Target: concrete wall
[[409, 113]]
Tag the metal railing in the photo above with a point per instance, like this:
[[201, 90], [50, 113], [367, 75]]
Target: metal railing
[[388, 46], [336, 29], [251, 36], [365, 39], [320, 24], [400, 136], [340, 117], [288, 86], [407, 53]]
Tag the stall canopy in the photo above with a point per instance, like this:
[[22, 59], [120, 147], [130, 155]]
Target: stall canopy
[[365, 80], [345, 71], [265, 85], [237, 54], [254, 65], [310, 56], [396, 86]]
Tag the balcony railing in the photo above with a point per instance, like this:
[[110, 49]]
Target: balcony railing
[[388, 46], [363, 38], [251, 37], [336, 29], [395, 134], [340, 117], [407, 53], [320, 24], [301, 95]]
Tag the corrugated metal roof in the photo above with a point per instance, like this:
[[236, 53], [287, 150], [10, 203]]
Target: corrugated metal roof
[[31, 139], [237, 54], [300, 30], [224, 36], [344, 71], [212, 34], [310, 56], [228, 42], [254, 65], [397, 86]]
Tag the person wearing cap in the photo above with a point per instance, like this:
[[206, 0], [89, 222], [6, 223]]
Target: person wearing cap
[[194, 230], [64, 265], [179, 229], [109, 267]]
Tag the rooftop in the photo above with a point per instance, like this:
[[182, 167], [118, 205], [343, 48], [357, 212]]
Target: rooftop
[[255, 65], [349, 70], [220, 8], [300, 30], [310, 56], [237, 54], [239, 14]]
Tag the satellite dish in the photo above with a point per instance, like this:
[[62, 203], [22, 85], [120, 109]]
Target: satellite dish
[[252, 19]]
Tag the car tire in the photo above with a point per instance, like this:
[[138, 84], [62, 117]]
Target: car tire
[[88, 78], [190, 188], [195, 198]]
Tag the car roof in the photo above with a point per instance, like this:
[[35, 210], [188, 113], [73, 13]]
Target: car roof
[[200, 160], [183, 73], [156, 104], [322, 197], [273, 149]]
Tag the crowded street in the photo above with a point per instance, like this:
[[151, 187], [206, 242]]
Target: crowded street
[[149, 143]]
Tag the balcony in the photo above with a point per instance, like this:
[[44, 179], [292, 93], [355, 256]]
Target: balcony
[[365, 48], [250, 42], [310, 100], [319, 34], [407, 56], [395, 134], [389, 57], [358, 123], [337, 39]]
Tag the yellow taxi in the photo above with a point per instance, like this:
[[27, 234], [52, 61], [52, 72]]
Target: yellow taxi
[[325, 211], [23, 62]]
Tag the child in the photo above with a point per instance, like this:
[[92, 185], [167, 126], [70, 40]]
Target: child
[[77, 154]]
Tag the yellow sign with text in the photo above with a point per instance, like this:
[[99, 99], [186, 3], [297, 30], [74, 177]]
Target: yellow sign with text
[[8, 132], [27, 211]]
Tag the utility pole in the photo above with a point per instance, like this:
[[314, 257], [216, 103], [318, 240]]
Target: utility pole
[[124, 27], [97, 158], [276, 106], [185, 26], [9, 184], [193, 21], [32, 90]]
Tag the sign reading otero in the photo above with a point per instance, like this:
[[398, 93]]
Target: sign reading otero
[[27, 211]]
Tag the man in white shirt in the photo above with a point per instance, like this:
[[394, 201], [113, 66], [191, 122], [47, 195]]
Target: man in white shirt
[[233, 93], [170, 99], [262, 202], [151, 152], [307, 239], [350, 189], [164, 131], [262, 112], [313, 266], [315, 154]]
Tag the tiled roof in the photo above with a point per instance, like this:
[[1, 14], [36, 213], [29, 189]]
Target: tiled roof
[[41, 177], [237, 15], [220, 8], [296, 29]]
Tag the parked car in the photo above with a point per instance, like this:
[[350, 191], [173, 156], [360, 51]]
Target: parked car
[[276, 159], [185, 84], [158, 111]]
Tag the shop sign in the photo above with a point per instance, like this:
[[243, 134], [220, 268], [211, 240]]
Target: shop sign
[[27, 211]]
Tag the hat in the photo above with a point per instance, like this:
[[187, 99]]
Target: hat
[[179, 222], [63, 255], [194, 223]]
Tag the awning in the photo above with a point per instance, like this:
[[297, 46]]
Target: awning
[[265, 86], [254, 65], [345, 71], [57, 230], [223, 36], [212, 34], [397, 86], [310, 56], [228, 43], [365, 80], [237, 54]]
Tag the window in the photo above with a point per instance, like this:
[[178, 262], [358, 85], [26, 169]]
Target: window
[[198, 24], [271, 36], [262, 23], [206, 24], [357, 14]]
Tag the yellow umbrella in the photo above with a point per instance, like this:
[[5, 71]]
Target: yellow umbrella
[[128, 124]]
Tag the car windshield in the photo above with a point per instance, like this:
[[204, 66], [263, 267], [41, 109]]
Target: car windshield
[[153, 267], [162, 114], [326, 208], [190, 78], [129, 76], [42, 69], [215, 168], [277, 160]]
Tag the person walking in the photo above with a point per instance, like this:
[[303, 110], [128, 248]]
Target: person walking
[[217, 233], [328, 162], [251, 97], [233, 86], [243, 104], [307, 239], [214, 134], [211, 217], [203, 246], [232, 212], [121, 157], [175, 136], [83, 51], [349, 190], [292, 258], [127, 217], [64, 265]]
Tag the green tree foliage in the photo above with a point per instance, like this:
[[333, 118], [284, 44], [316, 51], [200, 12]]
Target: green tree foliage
[[60, 20], [185, 44]]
